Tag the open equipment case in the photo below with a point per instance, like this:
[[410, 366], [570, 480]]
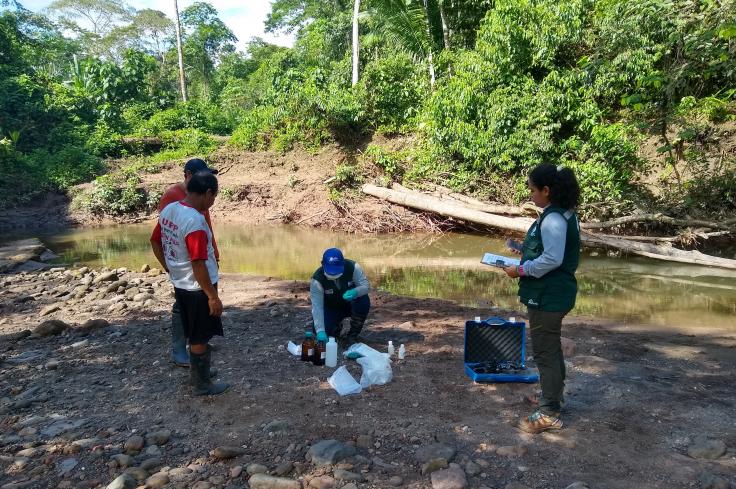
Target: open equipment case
[[495, 351]]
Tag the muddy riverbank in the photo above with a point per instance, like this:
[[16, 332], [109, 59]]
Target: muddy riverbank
[[84, 402]]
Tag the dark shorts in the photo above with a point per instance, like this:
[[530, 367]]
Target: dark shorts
[[199, 326]]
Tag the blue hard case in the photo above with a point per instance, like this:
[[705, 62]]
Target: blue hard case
[[495, 351]]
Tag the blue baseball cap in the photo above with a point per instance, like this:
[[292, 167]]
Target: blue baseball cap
[[196, 165], [333, 263]]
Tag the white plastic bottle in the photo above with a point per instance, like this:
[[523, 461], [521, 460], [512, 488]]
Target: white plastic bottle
[[331, 353], [402, 351], [390, 348]]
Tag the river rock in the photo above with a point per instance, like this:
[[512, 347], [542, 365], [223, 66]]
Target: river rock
[[284, 468], [62, 425], [236, 471], [578, 485], [67, 465], [396, 481], [712, 481], [123, 460], [472, 469], [435, 451], [227, 452], [277, 426], [706, 449], [511, 451], [329, 452], [323, 482], [157, 480], [49, 309], [434, 465], [263, 481], [150, 463], [136, 473], [145, 268], [113, 287], [346, 475], [124, 481], [93, 325], [202, 485], [105, 277], [142, 297], [451, 478], [134, 444], [51, 327], [256, 469]]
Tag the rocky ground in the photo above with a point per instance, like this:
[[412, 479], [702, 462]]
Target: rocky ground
[[89, 399]]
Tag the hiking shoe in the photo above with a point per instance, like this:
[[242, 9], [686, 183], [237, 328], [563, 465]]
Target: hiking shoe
[[537, 422]]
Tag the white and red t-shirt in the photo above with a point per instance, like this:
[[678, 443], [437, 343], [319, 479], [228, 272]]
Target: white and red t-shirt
[[185, 236]]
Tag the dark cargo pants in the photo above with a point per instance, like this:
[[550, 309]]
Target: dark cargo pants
[[545, 327]]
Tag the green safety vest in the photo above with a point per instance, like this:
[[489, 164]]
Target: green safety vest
[[555, 291], [332, 292]]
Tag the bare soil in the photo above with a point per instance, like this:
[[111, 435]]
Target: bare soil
[[637, 400]]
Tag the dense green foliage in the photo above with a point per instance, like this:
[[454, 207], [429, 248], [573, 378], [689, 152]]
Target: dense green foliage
[[486, 90]]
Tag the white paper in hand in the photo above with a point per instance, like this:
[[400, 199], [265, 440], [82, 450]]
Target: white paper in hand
[[499, 260]]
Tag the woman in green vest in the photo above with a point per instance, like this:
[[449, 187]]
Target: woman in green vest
[[547, 285]]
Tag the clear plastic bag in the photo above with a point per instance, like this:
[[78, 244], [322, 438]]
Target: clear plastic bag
[[376, 369], [343, 382]]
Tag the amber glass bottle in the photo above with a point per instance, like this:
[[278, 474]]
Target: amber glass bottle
[[319, 353], [308, 347]]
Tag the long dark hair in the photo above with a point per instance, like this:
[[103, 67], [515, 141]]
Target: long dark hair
[[564, 190]]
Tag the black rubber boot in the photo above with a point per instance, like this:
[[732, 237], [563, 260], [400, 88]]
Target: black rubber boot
[[356, 326], [200, 376]]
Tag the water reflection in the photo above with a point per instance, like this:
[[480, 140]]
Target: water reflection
[[444, 266]]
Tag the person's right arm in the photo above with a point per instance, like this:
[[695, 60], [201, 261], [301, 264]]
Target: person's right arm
[[202, 276], [157, 246], [196, 242], [317, 294]]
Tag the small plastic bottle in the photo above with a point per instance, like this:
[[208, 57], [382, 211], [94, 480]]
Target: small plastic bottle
[[477, 319], [512, 319], [331, 353], [307, 347], [319, 354], [402, 351], [390, 348]]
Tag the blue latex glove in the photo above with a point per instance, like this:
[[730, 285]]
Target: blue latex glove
[[322, 336], [350, 295], [354, 355]]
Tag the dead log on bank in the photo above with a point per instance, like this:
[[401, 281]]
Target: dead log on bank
[[455, 210]]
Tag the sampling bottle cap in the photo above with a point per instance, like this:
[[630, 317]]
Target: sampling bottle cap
[[390, 342], [308, 334], [331, 340]]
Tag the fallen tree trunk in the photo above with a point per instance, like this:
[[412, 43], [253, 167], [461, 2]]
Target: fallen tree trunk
[[447, 209], [509, 210], [657, 218], [521, 224]]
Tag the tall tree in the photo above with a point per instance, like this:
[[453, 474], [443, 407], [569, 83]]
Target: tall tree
[[154, 31], [356, 40], [97, 23], [206, 39], [182, 80]]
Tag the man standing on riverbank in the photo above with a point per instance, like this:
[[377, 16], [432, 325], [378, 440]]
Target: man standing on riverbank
[[184, 245], [339, 289], [176, 193]]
